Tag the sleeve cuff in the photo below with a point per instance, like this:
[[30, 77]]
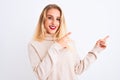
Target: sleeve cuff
[[97, 50], [58, 46]]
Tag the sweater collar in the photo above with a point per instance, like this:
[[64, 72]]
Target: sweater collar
[[49, 37]]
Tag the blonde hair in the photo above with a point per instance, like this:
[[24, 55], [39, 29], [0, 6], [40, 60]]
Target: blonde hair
[[40, 32]]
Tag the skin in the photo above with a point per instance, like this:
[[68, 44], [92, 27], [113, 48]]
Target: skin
[[100, 43], [53, 20]]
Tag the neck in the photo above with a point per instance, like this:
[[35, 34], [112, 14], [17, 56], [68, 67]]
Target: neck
[[49, 37]]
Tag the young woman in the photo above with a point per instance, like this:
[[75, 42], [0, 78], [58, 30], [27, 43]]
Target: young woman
[[52, 53]]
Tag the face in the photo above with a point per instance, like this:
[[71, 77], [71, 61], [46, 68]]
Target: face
[[52, 21]]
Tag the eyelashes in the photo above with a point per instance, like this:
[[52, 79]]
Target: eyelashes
[[52, 18], [58, 19]]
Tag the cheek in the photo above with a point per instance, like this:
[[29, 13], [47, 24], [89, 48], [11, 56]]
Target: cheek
[[58, 24], [46, 23]]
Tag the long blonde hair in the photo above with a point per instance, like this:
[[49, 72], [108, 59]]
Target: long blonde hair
[[40, 32]]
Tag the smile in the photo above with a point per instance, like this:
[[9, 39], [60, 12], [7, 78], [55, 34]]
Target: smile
[[52, 27]]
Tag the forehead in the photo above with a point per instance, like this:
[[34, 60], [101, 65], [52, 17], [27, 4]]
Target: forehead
[[53, 12]]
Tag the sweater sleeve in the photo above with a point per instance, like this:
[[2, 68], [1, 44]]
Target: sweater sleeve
[[83, 64], [43, 67]]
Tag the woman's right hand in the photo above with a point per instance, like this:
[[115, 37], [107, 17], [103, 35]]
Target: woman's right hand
[[64, 41]]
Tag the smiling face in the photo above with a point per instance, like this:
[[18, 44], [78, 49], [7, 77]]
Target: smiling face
[[52, 21]]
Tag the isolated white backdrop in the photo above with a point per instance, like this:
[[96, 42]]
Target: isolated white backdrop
[[88, 20]]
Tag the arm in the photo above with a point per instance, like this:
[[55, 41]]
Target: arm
[[43, 67], [82, 65]]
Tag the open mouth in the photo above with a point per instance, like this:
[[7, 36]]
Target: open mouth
[[52, 27]]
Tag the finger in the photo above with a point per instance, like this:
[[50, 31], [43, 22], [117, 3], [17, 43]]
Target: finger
[[106, 38], [67, 34], [103, 45]]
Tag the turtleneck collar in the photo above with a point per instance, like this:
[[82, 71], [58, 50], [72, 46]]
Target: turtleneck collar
[[49, 37]]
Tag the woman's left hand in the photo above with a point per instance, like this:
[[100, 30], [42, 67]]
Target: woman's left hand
[[102, 42], [100, 45]]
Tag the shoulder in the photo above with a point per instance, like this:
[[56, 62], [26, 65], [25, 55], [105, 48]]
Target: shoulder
[[33, 43]]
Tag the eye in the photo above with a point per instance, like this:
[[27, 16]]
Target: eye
[[58, 19], [49, 17]]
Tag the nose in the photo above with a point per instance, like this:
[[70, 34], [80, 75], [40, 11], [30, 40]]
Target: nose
[[54, 22]]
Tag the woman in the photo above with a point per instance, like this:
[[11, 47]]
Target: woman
[[52, 53]]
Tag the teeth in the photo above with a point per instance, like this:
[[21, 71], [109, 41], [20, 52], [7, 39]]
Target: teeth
[[52, 27]]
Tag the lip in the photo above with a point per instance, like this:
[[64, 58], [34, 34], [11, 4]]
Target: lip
[[52, 27]]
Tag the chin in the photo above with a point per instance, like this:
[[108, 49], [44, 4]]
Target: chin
[[52, 32]]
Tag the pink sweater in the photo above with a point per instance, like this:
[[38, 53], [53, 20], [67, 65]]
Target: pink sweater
[[52, 62]]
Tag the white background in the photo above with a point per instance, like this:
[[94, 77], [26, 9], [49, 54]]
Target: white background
[[88, 20]]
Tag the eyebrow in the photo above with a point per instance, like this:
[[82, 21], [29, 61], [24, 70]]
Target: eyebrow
[[51, 15]]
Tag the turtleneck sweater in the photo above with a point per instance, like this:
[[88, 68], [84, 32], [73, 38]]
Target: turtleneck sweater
[[50, 61]]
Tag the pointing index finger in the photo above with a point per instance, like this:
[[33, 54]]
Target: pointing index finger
[[105, 38], [67, 34]]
